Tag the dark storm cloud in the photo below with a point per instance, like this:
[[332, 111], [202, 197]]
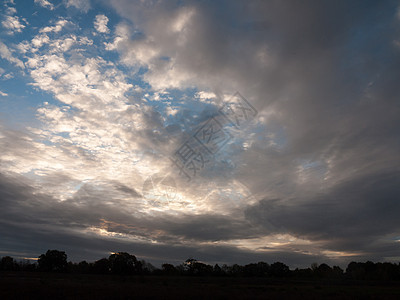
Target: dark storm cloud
[[352, 216], [31, 221], [38, 219]]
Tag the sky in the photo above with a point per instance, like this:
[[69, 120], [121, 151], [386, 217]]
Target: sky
[[226, 131]]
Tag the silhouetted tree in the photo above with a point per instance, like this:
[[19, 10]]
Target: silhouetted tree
[[217, 271], [202, 269], [259, 269], [323, 270], [169, 269], [337, 272], [303, 273], [147, 268], [372, 271], [188, 265], [124, 263], [8, 264], [194, 267], [53, 261], [181, 269], [263, 268], [127, 264], [236, 270], [314, 266], [279, 269], [387, 271], [354, 270], [27, 266], [226, 269], [82, 267], [101, 266]]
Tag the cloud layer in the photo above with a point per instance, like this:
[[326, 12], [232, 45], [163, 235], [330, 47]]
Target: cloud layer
[[313, 177]]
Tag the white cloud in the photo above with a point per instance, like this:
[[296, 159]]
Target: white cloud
[[121, 36], [60, 24], [171, 111], [11, 10], [181, 36], [64, 44], [8, 76], [7, 55], [134, 53], [45, 3], [204, 96], [98, 142], [99, 131], [83, 5], [182, 19], [13, 24], [23, 47], [85, 41], [39, 40], [101, 24], [3, 94], [5, 76]]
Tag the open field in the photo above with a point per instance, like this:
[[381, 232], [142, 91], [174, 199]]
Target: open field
[[22, 285]]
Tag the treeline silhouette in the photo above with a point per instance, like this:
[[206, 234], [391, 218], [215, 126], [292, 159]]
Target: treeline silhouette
[[123, 263]]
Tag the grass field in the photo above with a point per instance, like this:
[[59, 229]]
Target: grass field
[[21, 285]]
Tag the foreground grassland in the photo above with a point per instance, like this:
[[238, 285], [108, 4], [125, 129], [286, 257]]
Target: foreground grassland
[[24, 285]]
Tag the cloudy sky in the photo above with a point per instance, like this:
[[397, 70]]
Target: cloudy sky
[[227, 131]]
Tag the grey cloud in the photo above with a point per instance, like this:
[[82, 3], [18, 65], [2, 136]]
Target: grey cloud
[[329, 77], [350, 217], [32, 221]]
